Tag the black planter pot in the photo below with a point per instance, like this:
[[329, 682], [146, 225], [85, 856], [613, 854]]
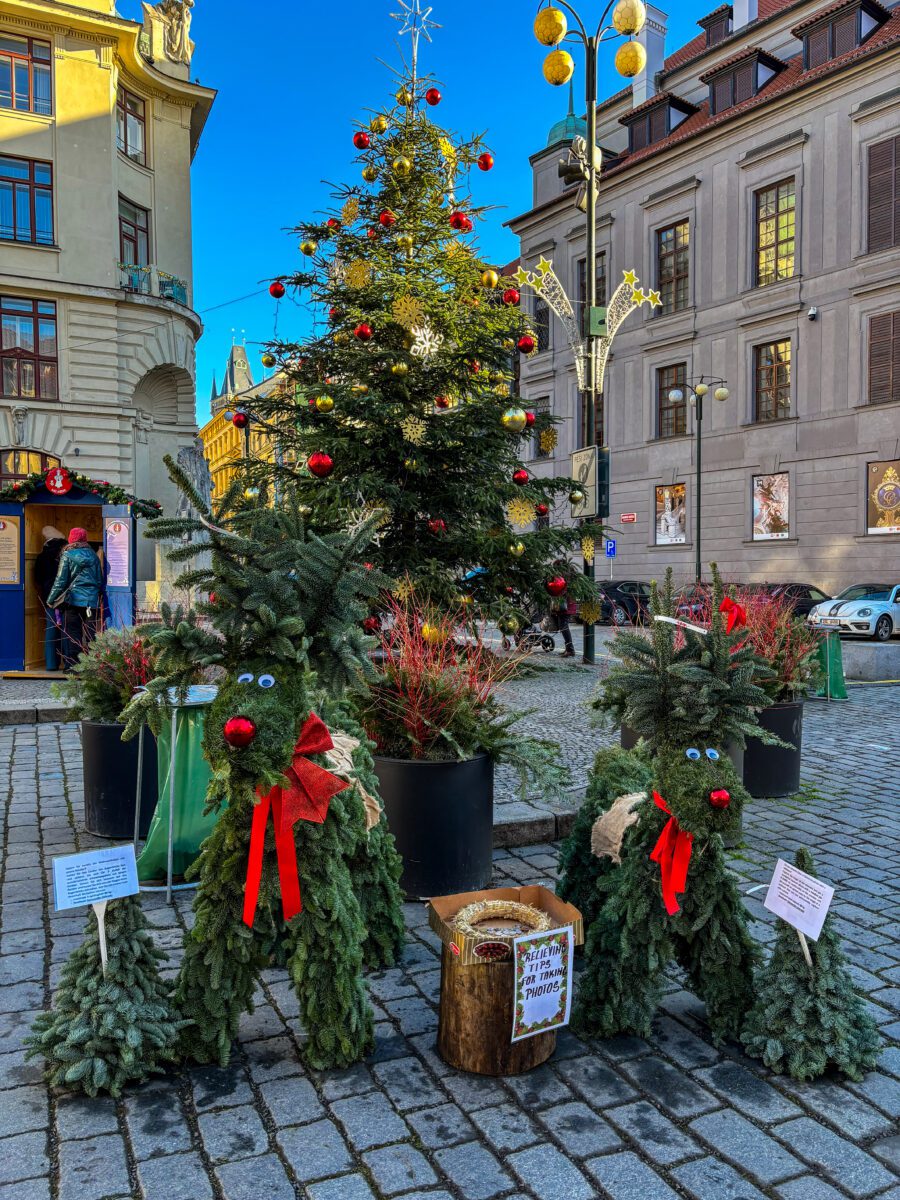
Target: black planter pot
[[110, 780], [770, 771], [442, 817]]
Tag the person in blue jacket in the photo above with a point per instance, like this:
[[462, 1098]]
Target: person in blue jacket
[[77, 590]]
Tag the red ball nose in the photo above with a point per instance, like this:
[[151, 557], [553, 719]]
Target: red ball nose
[[239, 731], [720, 798]]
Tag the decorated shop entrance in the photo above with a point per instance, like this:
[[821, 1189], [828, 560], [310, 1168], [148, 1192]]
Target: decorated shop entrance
[[63, 499]]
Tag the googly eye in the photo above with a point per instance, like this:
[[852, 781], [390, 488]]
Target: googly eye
[[266, 681], [245, 678], [712, 755], [693, 755]]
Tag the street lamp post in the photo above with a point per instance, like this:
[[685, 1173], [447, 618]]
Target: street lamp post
[[551, 29], [697, 392]]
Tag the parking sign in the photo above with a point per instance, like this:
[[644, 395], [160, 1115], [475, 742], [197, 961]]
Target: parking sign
[[610, 547]]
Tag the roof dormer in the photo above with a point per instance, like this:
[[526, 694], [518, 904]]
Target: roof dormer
[[740, 77], [655, 119], [717, 25], [838, 29]]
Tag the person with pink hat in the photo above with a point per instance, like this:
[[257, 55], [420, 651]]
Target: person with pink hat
[[46, 565], [77, 591]]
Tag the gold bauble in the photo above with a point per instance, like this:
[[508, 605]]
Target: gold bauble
[[370, 174], [324, 404], [514, 420], [509, 344], [432, 633], [629, 16], [490, 279], [360, 389], [251, 493], [631, 59], [576, 496], [550, 26], [308, 248], [405, 242], [267, 359], [401, 166], [400, 368], [341, 338], [405, 97], [379, 124], [517, 549], [559, 67]]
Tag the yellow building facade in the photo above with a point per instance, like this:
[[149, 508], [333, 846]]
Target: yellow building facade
[[99, 123], [224, 444]]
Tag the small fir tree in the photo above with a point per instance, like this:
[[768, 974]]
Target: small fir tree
[[405, 398], [809, 1020], [104, 1032]]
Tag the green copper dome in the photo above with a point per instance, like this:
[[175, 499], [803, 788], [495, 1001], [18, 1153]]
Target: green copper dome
[[570, 126]]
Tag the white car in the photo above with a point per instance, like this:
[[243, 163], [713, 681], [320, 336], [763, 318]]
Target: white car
[[868, 609]]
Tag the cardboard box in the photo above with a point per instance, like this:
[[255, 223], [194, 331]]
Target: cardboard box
[[442, 910]]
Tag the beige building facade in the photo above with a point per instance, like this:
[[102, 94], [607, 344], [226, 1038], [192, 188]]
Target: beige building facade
[[99, 123], [751, 177]]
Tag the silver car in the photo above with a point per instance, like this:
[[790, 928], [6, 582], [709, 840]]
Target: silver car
[[867, 609]]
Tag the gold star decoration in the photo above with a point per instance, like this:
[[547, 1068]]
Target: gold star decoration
[[548, 440], [502, 389], [408, 311], [630, 278], [520, 513], [588, 547], [655, 299], [414, 430], [589, 612], [521, 277], [350, 211], [358, 274], [637, 296], [544, 266]]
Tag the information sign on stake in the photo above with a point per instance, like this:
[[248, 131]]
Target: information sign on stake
[[801, 900], [542, 998], [95, 878]]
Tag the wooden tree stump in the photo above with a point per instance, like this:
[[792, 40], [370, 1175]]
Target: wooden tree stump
[[476, 1020]]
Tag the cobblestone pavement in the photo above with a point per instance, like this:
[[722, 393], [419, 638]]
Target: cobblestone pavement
[[620, 1120]]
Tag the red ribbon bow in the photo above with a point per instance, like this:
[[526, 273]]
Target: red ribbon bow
[[735, 613], [673, 853], [304, 796]]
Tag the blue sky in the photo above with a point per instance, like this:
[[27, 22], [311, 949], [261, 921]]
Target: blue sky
[[292, 80]]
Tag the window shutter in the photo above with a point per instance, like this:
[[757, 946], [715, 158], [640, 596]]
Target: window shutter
[[844, 31], [721, 97], [884, 194], [743, 82], [716, 32], [884, 358], [658, 123], [639, 134], [817, 48]]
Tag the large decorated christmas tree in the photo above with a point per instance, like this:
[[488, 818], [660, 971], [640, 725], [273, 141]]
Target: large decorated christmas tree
[[405, 398]]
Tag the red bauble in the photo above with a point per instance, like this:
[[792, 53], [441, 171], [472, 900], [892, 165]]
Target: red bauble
[[320, 464], [437, 525], [387, 219], [332, 223], [371, 624], [475, 366], [433, 97], [240, 420], [371, 233], [512, 296], [363, 332], [541, 509], [720, 798], [334, 313], [212, 598], [527, 344], [467, 225], [556, 586], [361, 140], [276, 290], [486, 162], [530, 419], [239, 731], [520, 477], [458, 220], [442, 402]]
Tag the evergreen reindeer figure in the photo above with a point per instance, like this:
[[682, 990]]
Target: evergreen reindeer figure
[[300, 866]]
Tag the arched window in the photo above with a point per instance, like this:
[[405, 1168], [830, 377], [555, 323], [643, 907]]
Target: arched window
[[17, 464]]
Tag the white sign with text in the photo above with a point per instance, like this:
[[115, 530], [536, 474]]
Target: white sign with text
[[95, 876], [800, 899], [543, 981]]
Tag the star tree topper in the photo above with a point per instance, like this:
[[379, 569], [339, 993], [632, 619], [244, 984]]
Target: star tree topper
[[415, 22]]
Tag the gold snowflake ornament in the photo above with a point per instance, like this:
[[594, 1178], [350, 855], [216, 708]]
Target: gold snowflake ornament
[[549, 439], [590, 612], [520, 513], [426, 341], [350, 211], [408, 311], [403, 589], [358, 274], [414, 430], [588, 548], [447, 149]]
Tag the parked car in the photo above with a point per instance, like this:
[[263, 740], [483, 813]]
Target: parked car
[[624, 603], [694, 602], [803, 596], [866, 609]]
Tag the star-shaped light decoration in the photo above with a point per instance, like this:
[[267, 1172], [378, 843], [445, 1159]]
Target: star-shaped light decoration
[[638, 297], [654, 299], [416, 23], [544, 266], [630, 278], [522, 277]]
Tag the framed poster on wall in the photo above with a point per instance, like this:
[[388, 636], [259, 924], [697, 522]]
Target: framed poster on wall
[[670, 515], [883, 497], [10, 562], [771, 507]]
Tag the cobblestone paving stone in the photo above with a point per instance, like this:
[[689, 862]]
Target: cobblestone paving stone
[[625, 1119]]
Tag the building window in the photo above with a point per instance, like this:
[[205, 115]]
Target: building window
[[26, 201], [28, 366], [671, 412], [824, 40], [741, 80], [19, 464], [775, 230], [673, 246], [718, 25], [884, 358], [772, 380], [130, 126], [542, 324], [134, 227], [581, 289], [884, 195], [25, 74]]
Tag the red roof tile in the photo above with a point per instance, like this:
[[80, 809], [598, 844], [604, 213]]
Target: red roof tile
[[748, 52], [653, 101]]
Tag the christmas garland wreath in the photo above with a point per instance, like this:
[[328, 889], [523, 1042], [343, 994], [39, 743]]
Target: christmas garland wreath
[[111, 493]]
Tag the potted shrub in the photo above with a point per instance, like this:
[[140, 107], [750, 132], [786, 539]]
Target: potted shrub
[[789, 649], [107, 674], [439, 730]]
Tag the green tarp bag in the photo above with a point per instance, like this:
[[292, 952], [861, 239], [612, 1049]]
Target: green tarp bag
[[831, 660]]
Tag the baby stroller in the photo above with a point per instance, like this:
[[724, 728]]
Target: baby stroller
[[537, 634]]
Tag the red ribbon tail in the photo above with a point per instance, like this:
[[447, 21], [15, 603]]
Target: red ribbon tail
[[255, 860], [673, 853], [288, 875]]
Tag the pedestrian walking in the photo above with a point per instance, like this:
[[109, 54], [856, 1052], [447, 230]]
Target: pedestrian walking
[[46, 566], [77, 590], [565, 608]]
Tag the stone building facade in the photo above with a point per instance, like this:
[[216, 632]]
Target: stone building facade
[[752, 177], [224, 445], [99, 123]]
